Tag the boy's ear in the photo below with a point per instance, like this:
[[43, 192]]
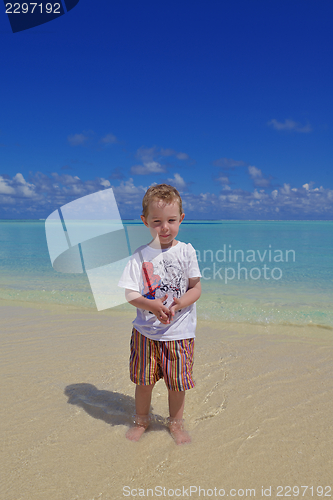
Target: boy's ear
[[181, 218], [143, 218]]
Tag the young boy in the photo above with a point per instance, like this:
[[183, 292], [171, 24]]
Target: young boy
[[162, 280]]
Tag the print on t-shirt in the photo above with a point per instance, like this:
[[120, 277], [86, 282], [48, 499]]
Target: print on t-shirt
[[164, 277], [151, 281]]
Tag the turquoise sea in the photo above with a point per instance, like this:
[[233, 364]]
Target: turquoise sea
[[260, 272]]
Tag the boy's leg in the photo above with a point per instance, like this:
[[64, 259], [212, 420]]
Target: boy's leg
[[177, 362], [143, 398], [142, 406], [176, 423], [176, 403], [144, 372]]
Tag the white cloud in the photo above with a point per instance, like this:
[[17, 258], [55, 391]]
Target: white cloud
[[285, 201], [42, 194], [77, 139], [233, 197], [285, 189], [182, 156], [223, 179], [152, 160], [178, 182], [23, 188], [66, 179], [257, 195], [255, 172], [257, 176], [290, 125], [149, 154], [171, 152], [5, 188], [228, 163], [148, 167], [109, 139], [129, 198], [19, 178]]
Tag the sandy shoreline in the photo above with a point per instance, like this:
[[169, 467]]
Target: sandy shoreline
[[260, 415]]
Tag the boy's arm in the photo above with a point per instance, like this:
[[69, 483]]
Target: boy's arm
[[192, 295], [156, 306]]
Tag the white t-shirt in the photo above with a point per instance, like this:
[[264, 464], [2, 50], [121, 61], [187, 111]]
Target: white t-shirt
[[165, 272]]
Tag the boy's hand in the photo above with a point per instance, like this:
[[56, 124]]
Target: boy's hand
[[161, 311], [175, 306]]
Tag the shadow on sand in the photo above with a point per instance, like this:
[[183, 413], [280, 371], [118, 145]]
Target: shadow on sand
[[112, 407]]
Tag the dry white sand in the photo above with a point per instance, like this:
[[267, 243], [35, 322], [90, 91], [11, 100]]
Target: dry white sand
[[260, 415]]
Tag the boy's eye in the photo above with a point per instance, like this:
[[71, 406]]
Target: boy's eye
[[158, 220]]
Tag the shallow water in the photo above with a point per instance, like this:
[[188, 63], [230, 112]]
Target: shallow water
[[261, 272]]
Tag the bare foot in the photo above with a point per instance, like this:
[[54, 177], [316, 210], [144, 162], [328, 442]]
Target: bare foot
[[141, 423], [134, 433], [177, 431]]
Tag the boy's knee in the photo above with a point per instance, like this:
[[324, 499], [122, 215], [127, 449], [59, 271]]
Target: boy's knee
[[145, 388]]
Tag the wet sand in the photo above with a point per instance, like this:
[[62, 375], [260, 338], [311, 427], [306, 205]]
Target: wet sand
[[260, 415]]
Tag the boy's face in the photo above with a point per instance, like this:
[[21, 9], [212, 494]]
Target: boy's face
[[163, 221]]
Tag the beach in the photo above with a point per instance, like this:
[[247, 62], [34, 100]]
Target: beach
[[260, 416], [176, 156]]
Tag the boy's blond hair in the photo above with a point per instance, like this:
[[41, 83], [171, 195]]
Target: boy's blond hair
[[164, 192]]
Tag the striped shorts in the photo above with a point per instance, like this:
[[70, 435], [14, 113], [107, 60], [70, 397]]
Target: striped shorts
[[172, 360]]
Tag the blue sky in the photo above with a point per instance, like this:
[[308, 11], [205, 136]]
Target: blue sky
[[231, 102]]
